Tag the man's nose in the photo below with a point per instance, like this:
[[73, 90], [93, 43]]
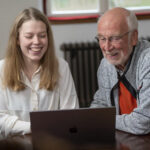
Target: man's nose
[[108, 45]]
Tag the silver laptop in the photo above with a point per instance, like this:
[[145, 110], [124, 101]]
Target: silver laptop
[[76, 125]]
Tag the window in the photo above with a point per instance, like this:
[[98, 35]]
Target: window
[[135, 5], [72, 7], [79, 8]]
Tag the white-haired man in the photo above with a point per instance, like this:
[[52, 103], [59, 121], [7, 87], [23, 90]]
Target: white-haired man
[[124, 72]]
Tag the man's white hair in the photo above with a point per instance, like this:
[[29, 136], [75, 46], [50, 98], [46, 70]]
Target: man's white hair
[[132, 21]]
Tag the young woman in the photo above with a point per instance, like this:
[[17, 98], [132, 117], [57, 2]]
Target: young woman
[[32, 78]]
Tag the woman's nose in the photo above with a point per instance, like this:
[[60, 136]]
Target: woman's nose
[[36, 39]]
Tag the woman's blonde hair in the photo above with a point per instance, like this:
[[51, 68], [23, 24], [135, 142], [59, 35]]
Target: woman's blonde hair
[[14, 63]]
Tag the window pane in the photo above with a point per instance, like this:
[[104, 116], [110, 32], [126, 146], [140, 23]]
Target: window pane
[[129, 3], [74, 5]]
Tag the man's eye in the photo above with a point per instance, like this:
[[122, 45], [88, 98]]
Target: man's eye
[[115, 38], [102, 39]]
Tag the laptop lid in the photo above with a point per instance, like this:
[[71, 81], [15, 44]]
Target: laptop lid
[[76, 125]]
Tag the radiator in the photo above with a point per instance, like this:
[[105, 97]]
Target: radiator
[[84, 59]]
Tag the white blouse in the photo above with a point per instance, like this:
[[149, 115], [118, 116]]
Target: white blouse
[[15, 106]]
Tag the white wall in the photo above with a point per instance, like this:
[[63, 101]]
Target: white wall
[[73, 33], [86, 32], [144, 28], [9, 9]]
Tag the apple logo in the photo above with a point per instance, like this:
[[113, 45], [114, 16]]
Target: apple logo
[[73, 130]]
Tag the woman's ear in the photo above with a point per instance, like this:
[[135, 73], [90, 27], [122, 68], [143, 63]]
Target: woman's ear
[[18, 42]]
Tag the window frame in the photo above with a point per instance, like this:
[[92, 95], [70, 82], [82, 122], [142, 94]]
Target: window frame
[[87, 17]]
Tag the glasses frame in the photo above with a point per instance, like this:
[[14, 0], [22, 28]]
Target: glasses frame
[[112, 39]]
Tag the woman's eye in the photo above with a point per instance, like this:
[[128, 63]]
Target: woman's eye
[[43, 36], [28, 37]]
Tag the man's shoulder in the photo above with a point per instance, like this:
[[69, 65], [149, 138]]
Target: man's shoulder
[[106, 69], [106, 65], [143, 45], [143, 49]]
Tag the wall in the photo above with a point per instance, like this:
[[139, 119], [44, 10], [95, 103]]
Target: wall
[[73, 33], [86, 32], [9, 9]]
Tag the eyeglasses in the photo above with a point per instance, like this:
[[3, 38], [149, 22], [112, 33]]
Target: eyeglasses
[[112, 39]]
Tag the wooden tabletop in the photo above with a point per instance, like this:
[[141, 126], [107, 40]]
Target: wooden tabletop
[[124, 141]]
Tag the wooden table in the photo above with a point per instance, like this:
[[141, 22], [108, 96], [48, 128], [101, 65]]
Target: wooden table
[[124, 141]]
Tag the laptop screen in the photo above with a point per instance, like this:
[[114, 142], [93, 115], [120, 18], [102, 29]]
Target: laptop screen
[[76, 125]]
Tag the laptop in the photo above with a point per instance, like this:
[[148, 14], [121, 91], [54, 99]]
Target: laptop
[[82, 125]]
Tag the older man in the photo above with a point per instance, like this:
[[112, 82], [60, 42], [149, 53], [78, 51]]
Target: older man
[[124, 73]]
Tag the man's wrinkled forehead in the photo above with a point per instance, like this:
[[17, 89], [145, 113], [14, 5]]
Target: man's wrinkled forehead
[[115, 13], [113, 19]]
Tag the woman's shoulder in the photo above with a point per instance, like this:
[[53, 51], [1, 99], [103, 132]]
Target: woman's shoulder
[[63, 64], [1, 66], [1, 63], [62, 60]]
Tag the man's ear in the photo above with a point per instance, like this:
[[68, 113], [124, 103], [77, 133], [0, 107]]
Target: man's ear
[[134, 37]]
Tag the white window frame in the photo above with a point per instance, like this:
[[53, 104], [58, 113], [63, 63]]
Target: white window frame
[[139, 9], [103, 6]]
